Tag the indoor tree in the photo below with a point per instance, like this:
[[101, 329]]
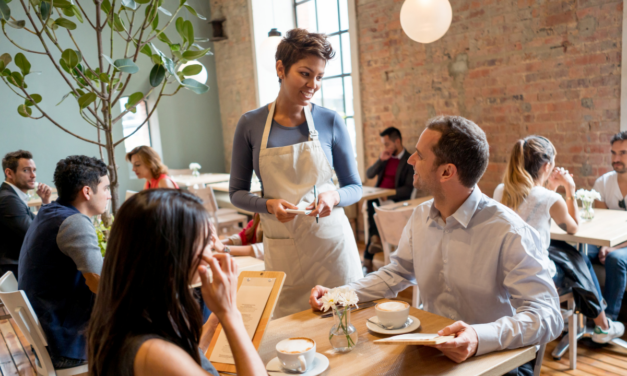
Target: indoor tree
[[98, 82]]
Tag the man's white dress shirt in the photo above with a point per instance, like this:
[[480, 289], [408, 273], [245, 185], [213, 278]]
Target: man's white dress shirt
[[23, 196], [484, 266]]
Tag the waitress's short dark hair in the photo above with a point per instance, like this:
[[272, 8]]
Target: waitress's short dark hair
[[299, 43]]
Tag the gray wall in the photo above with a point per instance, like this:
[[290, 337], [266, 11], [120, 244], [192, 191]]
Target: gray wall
[[189, 123]]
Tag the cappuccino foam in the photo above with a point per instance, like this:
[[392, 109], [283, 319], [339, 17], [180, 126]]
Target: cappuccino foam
[[295, 345], [392, 306]]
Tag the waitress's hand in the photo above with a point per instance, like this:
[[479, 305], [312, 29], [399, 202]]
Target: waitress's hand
[[277, 207], [326, 202]]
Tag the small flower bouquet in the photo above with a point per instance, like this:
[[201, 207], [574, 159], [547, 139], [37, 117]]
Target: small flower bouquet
[[343, 335], [195, 167], [587, 199]]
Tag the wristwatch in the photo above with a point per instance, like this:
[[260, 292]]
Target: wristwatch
[[226, 249]]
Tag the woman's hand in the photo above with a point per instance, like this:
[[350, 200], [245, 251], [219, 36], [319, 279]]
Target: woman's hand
[[277, 207], [219, 294], [326, 202], [561, 176]]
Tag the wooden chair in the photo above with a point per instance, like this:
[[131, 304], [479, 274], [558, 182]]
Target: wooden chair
[[185, 171], [222, 218], [26, 319], [129, 194], [575, 331]]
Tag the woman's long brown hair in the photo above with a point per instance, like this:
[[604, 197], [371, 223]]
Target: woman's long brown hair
[[151, 256]]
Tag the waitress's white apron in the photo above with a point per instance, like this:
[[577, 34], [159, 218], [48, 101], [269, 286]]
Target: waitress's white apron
[[310, 253]]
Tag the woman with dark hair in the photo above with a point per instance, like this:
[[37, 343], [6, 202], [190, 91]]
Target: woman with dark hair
[[147, 165], [146, 320], [531, 167], [294, 160]]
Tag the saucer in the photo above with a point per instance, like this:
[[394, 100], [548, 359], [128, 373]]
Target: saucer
[[377, 329], [320, 364]]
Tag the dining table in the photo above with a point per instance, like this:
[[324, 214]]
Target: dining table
[[608, 228], [369, 358], [200, 180]]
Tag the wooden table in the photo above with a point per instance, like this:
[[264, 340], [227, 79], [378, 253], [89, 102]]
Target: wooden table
[[255, 188], [203, 179], [370, 193], [607, 228], [368, 358]]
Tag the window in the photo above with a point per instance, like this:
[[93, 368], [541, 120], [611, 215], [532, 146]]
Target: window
[[148, 134]]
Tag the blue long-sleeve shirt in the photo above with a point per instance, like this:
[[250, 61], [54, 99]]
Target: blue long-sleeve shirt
[[333, 136]]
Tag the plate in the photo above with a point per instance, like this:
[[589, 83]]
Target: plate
[[377, 329], [320, 364]]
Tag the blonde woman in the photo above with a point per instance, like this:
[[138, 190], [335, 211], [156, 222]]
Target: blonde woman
[[531, 167], [147, 165]]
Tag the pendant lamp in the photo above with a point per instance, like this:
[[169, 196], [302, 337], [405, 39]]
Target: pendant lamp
[[426, 21], [268, 50]]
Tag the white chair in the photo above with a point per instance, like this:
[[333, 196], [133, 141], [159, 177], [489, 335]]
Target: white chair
[[575, 331], [537, 368], [222, 218], [24, 316]]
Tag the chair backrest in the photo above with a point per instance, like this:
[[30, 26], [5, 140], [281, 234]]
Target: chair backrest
[[18, 306], [129, 194], [208, 199], [185, 171], [390, 224]]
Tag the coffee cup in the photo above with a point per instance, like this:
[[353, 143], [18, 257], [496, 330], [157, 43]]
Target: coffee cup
[[392, 315], [296, 354]]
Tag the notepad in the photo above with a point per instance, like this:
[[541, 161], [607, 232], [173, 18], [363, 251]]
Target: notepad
[[415, 339], [298, 211]]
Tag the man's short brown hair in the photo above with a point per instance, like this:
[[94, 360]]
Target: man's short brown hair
[[622, 136], [299, 43], [463, 144], [12, 160]]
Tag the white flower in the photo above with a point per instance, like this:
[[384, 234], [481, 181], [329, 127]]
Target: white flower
[[587, 196], [341, 296], [194, 166], [329, 299]]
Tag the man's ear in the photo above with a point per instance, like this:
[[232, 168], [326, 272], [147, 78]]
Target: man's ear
[[9, 174], [448, 172], [86, 193]]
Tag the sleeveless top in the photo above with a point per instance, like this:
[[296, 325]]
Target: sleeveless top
[[154, 183], [535, 210], [124, 363]]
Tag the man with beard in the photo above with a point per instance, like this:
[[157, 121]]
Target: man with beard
[[15, 216], [473, 259], [613, 189]]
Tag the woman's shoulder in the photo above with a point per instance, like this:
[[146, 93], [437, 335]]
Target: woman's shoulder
[[155, 355], [253, 115], [320, 112]]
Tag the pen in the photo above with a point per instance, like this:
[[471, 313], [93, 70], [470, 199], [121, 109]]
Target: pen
[[316, 203]]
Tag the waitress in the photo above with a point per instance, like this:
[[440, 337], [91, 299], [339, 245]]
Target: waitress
[[294, 145]]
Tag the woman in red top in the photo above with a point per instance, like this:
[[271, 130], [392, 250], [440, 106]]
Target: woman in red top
[[147, 165]]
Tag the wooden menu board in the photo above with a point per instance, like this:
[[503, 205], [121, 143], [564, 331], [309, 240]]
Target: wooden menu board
[[279, 278]]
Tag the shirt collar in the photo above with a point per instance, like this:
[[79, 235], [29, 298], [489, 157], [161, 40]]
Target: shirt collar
[[464, 213], [23, 196], [399, 155]]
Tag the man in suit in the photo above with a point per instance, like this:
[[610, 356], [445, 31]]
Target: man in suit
[[15, 216], [392, 171]]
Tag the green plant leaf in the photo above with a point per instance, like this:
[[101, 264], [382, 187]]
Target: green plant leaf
[[65, 96], [192, 70], [164, 38], [193, 11], [68, 12], [6, 73], [175, 47], [64, 22], [193, 55], [146, 50], [22, 63], [6, 59], [45, 9], [155, 22], [167, 62], [105, 6], [35, 3], [156, 58], [195, 86], [16, 24], [70, 57], [157, 74], [77, 13], [23, 109], [179, 28], [5, 11], [126, 66], [16, 79], [133, 99], [80, 92], [86, 99], [36, 97], [165, 11], [143, 1], [182, 2], [131, 4], [59, 3], [104, 78], [188, 29], [108, 59], [118, 23], [50, 23]]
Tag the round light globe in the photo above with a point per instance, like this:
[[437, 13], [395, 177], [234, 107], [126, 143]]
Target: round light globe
[[426, 21], [268, 52], [200, 77]]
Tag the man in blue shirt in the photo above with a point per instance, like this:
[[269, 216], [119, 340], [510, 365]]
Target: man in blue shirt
[[60, 261]]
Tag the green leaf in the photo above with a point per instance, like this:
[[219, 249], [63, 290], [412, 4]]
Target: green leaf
[[156, 58], [23, 109], [36, 97], [5, 11], [193, 55], [118, 24], [164, 38], [157, 74], [86, 99], [126, 66], [188, 29], [104, 78], [59, 3], [65, 96], [146, 50], [68, 12], [64, 22], [179, 28], [165, 11], [50, 23], [70, 57], [35, 3], [6, 73], [143, 1], [6, 59], [108, 59], [77, 13], [195, 86], [45, 9], [16, 79], [80, 92], [16, 24], [129, 4], [192, 70], [182, 2], [105, 6], [175, 47], [133, 99], [155, 22], [22, 63], [193, 11]]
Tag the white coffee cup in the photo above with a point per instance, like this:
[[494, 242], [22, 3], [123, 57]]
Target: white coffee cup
[[392, 314], [296, 354]]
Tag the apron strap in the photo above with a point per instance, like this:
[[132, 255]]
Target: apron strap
[[313, 133]]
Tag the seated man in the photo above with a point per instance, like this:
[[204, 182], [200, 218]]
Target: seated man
[[60, 262], [392, 172], [473, 259], [613, 189], [15, 216]]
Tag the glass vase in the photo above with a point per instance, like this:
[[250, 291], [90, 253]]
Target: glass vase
[[343, 335], [587, 211], [195, 172]]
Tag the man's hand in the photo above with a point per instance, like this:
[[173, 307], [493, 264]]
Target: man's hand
[[385, 155], [314, 299], [463, 346], [603, 252], [44, 192]]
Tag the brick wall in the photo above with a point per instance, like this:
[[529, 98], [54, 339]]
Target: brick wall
[[515, 67], [234, 67]]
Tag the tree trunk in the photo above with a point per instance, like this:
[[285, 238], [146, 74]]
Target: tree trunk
[[113, 172]]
